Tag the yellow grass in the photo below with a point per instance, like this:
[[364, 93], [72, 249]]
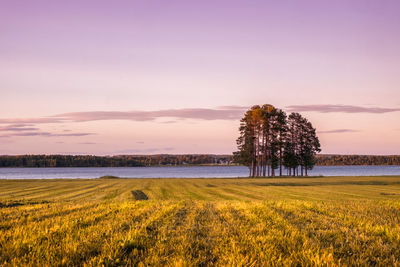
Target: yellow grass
[[251, 222]]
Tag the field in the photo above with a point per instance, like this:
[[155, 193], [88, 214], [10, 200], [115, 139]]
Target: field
[[251, 222]]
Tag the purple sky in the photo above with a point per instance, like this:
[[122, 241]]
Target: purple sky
[[112, 77]]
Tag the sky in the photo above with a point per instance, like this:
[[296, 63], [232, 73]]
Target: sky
[[148, 77]]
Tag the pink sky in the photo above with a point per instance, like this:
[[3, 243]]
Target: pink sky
[[145, 77]]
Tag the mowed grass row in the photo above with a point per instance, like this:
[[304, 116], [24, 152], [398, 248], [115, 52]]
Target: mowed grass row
[[287, 221], [328, 188]]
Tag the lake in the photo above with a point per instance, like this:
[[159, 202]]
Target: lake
[[181, 172]]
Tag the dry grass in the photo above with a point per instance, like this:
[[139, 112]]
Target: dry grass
[[251, 222]]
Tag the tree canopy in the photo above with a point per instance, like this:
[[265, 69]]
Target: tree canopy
[[270, 140]]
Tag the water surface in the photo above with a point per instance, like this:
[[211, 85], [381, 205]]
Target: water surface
[[181, 172]]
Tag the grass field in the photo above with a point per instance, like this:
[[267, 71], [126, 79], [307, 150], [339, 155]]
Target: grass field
[[252, 222]]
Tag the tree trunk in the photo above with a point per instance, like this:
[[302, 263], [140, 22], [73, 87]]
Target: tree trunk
[[263, 155], [280, 161], [280, 152], [253, 167]]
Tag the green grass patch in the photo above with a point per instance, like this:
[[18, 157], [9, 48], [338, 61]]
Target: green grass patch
[[109, 177]]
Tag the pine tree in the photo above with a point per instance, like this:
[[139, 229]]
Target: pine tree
[[269, 140]]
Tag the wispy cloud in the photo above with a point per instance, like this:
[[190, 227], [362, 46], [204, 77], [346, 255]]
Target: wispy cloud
[[44, 134], [17, 128], [186, 113], [87, 143], [340, 108], [23, 129], [75, 153], [144, 151], [338, 131], [242, 108], [220, 113], [31, 120]]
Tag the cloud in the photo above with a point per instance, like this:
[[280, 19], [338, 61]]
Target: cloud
[[31, 120], [21, 125], [87, 143], [219, 113], [144, 151], [23, 129], [18, 128], [186, 113], [74, 153], [340, 108], [44, 134], [338, 131], [242, 108]]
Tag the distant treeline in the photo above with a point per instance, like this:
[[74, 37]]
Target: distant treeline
[[185, 159], [66, 161], [173, 160], [114, 161], [336, 160]]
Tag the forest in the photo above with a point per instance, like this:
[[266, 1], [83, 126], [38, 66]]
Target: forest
[[113, 161], [175, 160], [35, 161], [340, 160]]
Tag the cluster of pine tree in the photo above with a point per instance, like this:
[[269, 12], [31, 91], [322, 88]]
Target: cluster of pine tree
[[269, 139]]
